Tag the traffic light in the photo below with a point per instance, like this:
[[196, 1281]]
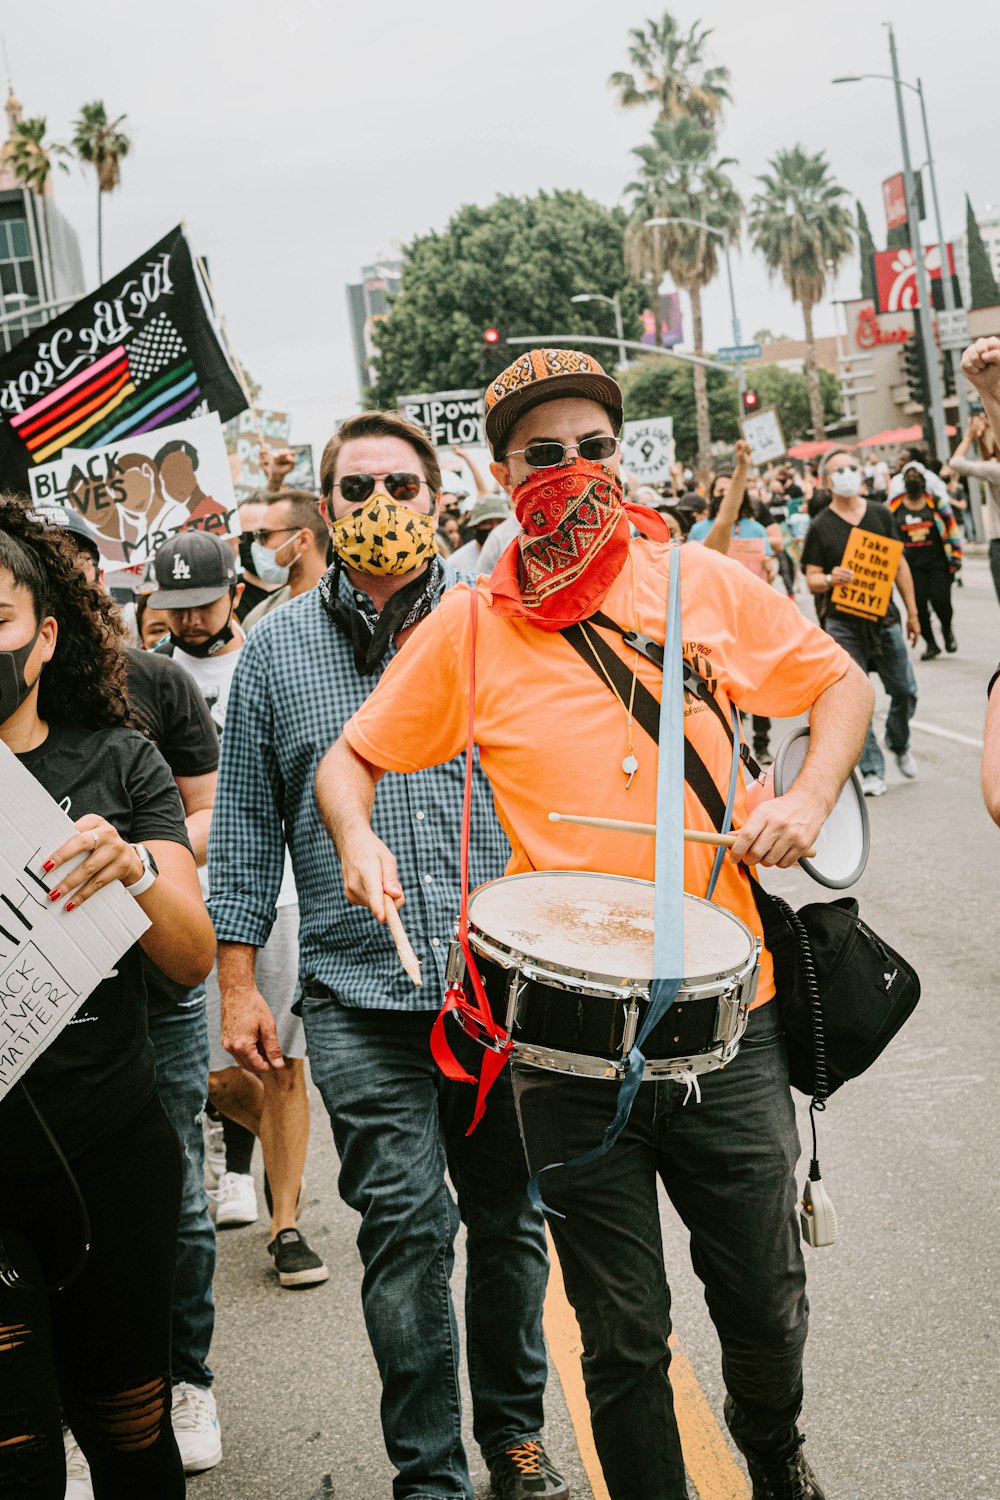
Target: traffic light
[[491, 335], [916, 370], [751, 401], [493, 354], [948, 372]]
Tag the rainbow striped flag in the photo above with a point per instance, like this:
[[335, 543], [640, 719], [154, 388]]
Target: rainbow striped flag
[[128, 391]]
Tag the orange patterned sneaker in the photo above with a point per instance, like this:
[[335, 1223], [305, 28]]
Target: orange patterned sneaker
[[525, 1472]]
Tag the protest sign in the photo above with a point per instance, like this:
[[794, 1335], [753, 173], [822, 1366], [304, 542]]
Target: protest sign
[[448, 417], [751, 552], [50, 962], [248, 437], [137, 493], [648, 449], [762, 430], [303, 476], [873, 559], [139, 352]]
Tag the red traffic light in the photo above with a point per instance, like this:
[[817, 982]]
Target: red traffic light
[[491, 336], [751, 400]]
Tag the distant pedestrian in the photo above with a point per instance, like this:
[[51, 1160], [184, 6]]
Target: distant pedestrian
[[933, 549]]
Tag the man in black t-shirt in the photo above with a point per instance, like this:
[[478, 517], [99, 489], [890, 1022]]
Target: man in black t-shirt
[[876, 647], [927, 528]]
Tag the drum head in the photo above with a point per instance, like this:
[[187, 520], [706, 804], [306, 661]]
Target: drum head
[[600, 927], [842, 843]]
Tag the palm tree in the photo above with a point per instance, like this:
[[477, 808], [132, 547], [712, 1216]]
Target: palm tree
[[101, 143], [803, 232], [680, 178], [31, 159], [670, 72]]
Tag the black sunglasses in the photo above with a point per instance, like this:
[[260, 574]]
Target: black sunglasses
[[356, 488], [548, 455]]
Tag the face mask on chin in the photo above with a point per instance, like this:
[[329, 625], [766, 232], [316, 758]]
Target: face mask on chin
[[384, 538], [13, 688], [210, 647], [846, 482]]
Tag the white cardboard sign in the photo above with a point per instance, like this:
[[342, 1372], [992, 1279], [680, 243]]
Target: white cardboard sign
[[762, 431], [648, 449], [50, 960]]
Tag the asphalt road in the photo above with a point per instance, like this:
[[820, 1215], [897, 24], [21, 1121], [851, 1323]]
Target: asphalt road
[[903, 1376]]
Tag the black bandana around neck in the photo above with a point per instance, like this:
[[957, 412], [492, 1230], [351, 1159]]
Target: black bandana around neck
[[370, 635]]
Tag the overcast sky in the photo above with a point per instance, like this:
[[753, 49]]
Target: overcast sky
[[300, 139]]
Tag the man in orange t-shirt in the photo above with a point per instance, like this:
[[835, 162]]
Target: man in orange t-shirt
[[552, 735]]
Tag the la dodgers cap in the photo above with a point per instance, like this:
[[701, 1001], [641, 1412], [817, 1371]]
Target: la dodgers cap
[[193, 569]]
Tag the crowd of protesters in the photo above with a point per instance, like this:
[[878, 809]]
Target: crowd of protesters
[[184, 735]]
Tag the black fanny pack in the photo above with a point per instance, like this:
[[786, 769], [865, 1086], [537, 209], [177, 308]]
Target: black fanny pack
[[842, 991]]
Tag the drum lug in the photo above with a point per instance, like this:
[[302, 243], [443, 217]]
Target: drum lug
[[515, 984], [727, 1015], [454, 974], [631, 1026]]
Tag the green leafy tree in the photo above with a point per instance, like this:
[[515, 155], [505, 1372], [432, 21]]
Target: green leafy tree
[[803, 232], [982, 282], [866, 250], [680, 178], [102, 144], [32, 157], [657, 387], [670, 71], [515, 265]]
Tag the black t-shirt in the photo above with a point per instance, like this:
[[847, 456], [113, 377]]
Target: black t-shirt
[[170, 711], [917, 530], [826, 542], [99, 1070]]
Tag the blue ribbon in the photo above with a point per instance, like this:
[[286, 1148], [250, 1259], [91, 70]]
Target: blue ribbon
[[668, 892], [727, 821]]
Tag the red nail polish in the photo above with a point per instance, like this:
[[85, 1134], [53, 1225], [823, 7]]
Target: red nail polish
[[49, 865], [70, 905], [54, 895]]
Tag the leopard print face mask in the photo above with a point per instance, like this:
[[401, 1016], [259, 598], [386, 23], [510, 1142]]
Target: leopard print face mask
[[384, 538]]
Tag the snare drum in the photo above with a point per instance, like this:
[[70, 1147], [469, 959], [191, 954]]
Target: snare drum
[[566, 959]]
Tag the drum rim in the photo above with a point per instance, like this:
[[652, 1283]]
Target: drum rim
[[626, 984], [807, 864]]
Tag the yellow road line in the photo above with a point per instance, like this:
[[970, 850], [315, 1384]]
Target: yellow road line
[[711, 1466]]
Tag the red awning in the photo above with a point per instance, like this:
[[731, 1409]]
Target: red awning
[[898, 437], [811, 449]]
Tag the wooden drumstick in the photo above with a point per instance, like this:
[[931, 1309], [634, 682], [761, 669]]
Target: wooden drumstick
[[407, 957], [691, 835]]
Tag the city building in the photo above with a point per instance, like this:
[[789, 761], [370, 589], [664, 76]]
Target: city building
[[40, 265], [990, 231], [368, 304]]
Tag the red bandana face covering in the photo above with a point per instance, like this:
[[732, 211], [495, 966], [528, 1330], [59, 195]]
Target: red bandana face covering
[[574, 544]]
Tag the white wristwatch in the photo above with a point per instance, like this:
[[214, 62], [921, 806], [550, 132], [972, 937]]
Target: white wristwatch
[[149, 872]]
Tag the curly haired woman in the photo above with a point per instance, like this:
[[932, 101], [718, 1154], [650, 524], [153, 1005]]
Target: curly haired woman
[[90, 1332]]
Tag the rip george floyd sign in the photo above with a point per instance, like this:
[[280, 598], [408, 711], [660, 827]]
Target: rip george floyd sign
[[447, 417], [50, 962], [873, 560], [137, 494]]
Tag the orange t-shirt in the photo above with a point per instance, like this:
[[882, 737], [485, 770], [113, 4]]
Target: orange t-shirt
[[552, 736]]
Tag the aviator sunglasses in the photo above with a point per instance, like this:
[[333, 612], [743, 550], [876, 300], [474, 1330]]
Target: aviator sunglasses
[[548, 454], [356, 488]]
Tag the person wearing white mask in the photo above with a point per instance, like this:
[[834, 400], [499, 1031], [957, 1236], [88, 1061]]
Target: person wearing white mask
[[875, 646], [289, 549]]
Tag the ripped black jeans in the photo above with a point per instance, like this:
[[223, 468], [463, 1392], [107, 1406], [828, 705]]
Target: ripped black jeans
[[100, 1350]]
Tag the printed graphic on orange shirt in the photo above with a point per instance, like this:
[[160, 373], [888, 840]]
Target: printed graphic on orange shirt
[[873, 559], [694, 658]]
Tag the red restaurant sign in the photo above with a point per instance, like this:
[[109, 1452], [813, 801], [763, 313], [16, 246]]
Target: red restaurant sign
[[896, 276], [869, 333], [894, 194]]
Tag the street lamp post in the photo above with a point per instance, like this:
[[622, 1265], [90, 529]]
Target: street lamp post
[[615, 302], [741, 381]]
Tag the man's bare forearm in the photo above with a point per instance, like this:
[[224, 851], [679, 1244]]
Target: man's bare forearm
[[237, 968], [345, 792], [904, 582], [838, 723]]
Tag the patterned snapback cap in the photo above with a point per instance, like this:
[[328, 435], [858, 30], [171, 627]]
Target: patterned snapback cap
[[546, 375]]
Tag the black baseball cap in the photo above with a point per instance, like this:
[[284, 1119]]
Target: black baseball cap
[[66, 518], [193, 569]]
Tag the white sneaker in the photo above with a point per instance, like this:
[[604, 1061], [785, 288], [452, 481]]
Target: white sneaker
[[215, 1153], [196, 1427], [78, 1485], [235, 1200], [873, 786], [907, 764]]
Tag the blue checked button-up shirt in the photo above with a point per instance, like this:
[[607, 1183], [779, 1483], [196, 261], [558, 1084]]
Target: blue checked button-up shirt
[[294, 688]]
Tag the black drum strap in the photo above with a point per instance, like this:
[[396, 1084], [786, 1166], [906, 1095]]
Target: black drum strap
[[646, 712]]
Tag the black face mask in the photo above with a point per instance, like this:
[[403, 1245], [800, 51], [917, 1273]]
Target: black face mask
[[212, 646], [246, 556], [482, 533], [914, 485], [13, 688]]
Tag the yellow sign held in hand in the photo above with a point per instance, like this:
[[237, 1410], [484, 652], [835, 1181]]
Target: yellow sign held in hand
[[873, 560]]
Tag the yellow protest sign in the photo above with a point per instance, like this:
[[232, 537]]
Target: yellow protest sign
[[873, 560]]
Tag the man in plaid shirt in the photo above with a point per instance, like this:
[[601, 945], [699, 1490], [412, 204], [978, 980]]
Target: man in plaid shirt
[[397, 1123]]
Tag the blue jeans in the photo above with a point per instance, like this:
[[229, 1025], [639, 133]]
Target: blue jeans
[[398, 1124], [728, 1166], [881, 649], [180, 1041]]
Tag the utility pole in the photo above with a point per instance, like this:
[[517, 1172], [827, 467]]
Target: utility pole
[[925, 311]]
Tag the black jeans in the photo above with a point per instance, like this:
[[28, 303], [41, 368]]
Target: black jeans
[[728, 1166], [101, 1348], [932, 587]]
